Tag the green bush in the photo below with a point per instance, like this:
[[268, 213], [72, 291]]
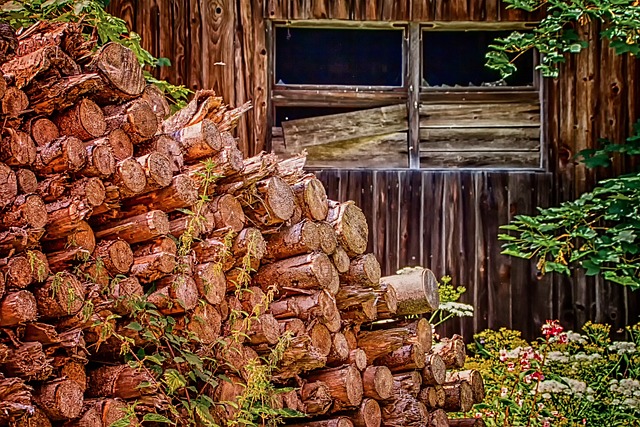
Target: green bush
[[562, 379]]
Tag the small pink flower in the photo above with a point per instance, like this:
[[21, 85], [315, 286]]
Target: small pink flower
[[527, 379], [503, 355], [546, 423], [503, 392], [563, 338], [552, 328], [540, 406], [584, 421], [478, 415], [538, 376], [524, 364], [511, 367]]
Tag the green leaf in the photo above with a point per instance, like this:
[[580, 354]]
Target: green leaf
[[156, 418], [135, 326]]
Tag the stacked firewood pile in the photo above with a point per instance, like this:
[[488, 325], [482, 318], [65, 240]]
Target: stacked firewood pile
[[97, 183]]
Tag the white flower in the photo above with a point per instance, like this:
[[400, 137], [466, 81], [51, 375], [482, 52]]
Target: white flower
[[558, 357], [552, 386], [575, 337], [586, 358], [623, 347], [457, 308]]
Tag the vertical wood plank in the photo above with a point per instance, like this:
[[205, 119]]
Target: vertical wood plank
[[482, 291], [413, 98]]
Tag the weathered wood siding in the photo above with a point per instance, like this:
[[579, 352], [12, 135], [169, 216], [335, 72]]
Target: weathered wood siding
[[446, 220]]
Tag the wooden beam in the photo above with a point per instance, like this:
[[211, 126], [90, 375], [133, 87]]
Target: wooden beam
[[481, 159], [480, 139], [347, 97], [414, 73], [503, 115]]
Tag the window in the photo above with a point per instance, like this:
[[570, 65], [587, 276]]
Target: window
[[397, 95]]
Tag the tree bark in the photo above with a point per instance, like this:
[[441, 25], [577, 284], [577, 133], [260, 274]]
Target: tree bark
[[351, 227], [438, 418], [319, 305], [8, 186], [181, 193], [60, 399], [417, 292], [84, 121], [406, 358], [403, 411], [473, 377], [137, 229], [300, 356], [345, 385], [467, 422], [17, 149], [28, 362], [380, 342], [387, 305], [316, 398], [407, 382], [154, 96], [312, 198], [309, 272], [435, 370], [14, 102], [458, 397], [65, 154], [119, 381], [17, 307], [452, 351], [298, 239]]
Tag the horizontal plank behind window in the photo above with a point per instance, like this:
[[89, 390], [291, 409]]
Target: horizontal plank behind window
[[346, 97]]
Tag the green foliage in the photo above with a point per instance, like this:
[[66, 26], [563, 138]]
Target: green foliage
[[556, 35], [92, 15], [449, 303], [562, 379]]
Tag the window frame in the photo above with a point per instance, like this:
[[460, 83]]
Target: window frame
[[411, 91]]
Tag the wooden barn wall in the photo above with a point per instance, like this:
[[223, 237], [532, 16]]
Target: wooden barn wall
[[446, 220]]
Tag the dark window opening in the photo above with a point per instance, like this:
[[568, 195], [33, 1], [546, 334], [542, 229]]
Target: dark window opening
[[457, 58], [338, 57], [284, 114]]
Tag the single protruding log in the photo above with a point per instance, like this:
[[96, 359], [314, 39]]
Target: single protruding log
[[65, 154], [439, 418], [463, 422], [61, 295], [227, 212], [452, 351], [116, 256], [404, 410], [333, 422], [181, 193], [300, 238], [273, 202], [310, 271], [175, 294], [81, 237], [211, 282], [417, 292], [387, 304], [153, 96], [129, 177], [377, 382], [434, 371], [36, 419], [345, 385], [27, 361], [351, 227], [340, 259], [339, 353], [118, 381], [84, 120], [319, 305], [14, 102], [300, 356], [120, 144], [64, 215], [60, 399], [43, 131], [137, 229], [101, 412], [26, 211], [367, 415], [17, 271], [380, 342], [312, 198], [27, 181], [148, 268], [473, 377], [17, 148], [8, 186], [100, 160], [120, 71], [407, 382], [406, 358], [458, 397], [316, 398], [18, 307], [363, 270], [358, 358], [205, 323], [166, 145], [199, 140], [157, 168]]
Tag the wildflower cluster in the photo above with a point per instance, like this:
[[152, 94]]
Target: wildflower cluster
[[562, 379]]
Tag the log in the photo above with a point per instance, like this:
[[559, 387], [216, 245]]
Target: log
[[17, 149], [333, 422], [64, 216], [175, 294], [17, 239], [100, 160], [340, 259], [358, 358], [84, 121], [36, 418], [473, 377], [406, 358], [116, 256], [129, 177], [417, 292], [452, 351], [266, 330], [137, 229], [199, 140], [227, 393], [345, 385], [81, 237], [349, 297], [407, 382], [102, 412], [310, 271], [8, 186], [339, 352], [350, 226], [89, 190], [404, 410], [14, 102], [429, 397], [161, 244], [439, 418], [46, 63], [380, 342], [27, 211], [124, 292], [148, 268], [120, 71], [434, 371], [319, 305], [27, 181], [294, 326], [272, 202], [312, 198], [300, 238], [17, 307], [120, 144], [458, 397], [466, 422], [53, 188], [120, 381], [211, 282], [166, 145], [65, 154], [227, 212], [60, 399], [363, 270], [27, 361], [300, 356], [157, 169], [61, 295], [182, 193], [367, 415], [320, 338], [154, 96], [43, 131], [16, 271], [387, 304], [316, 398], [205, 323], [72, 368], [52, 95], [292, 401]]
